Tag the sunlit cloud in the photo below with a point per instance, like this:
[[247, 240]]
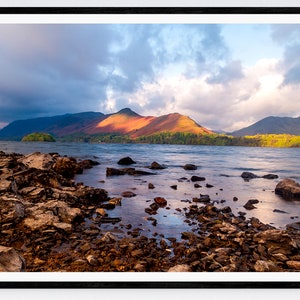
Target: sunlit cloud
[[204, 71]]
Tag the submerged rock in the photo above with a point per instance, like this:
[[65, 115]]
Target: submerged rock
[[126, 171], [270, 176]]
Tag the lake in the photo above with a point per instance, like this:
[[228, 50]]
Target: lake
[[221, 166]]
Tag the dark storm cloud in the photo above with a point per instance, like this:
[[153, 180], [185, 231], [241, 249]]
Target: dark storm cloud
[[55, 68], [49, 69]]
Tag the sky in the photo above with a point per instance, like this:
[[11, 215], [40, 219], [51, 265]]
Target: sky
[[223, 76]]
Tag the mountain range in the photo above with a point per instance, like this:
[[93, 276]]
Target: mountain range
[[129, 123], [124, 122], [271, 125]]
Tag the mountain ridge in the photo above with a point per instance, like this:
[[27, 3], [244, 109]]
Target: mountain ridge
[[271, 125], [124, 122]]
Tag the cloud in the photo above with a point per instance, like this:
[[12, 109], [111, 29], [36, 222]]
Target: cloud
[[288, 35], [230, 72], [220, 105], [50, 69], [58, 68], [152, 68]]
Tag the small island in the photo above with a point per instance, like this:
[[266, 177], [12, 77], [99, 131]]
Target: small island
[[38, 137]]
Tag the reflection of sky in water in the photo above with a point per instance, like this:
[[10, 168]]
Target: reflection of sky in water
[[225, 188], [211, 162]]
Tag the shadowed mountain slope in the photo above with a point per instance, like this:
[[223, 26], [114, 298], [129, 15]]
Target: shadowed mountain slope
[[271, 125]]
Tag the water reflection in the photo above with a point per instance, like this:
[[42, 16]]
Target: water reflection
[[211, 162]]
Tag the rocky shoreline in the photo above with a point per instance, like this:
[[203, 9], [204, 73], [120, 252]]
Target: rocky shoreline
[[45, 227]]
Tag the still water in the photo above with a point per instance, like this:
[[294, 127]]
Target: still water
[[213, 163]]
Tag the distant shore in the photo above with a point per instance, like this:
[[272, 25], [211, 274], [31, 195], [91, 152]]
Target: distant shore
[[177, 138]]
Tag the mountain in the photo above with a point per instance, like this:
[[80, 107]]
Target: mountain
[[124, 122], [271, 125], [170, 123], [57, 125]]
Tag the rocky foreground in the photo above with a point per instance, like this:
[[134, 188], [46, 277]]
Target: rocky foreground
[[43, 223]]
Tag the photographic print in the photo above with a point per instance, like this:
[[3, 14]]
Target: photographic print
[[137, 146]]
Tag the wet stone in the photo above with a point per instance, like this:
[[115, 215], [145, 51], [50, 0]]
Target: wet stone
[[197, 178], [128, 194], [126, 161], [160, 201], [249, 205], [151, 186], [156, 166], [190, 167]]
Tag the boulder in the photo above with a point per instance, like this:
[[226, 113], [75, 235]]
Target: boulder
[[114, 172], [88, 163], [288, 189], [67, 167], [293, 226], [126, 161], [37, 160], [52, 213], [160, 201], [265, 266], [5, 184], [180, 268], [248, 175], [151, 186], [12, 210], [197, 178], [190, 167], [128, 194], [156, 166], [292, 264], [11, 260], [89, 195], [202, 199], [249, 205]]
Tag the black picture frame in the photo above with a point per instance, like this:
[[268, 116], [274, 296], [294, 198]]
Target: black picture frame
[[267, 284]]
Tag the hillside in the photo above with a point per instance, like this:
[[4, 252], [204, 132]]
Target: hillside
[[170, 123], [57, 125], [125, 122], [271, 125]]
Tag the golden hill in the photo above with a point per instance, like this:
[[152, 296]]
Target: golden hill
[[128, 122]]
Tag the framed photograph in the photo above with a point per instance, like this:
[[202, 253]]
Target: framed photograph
[[149, 147]]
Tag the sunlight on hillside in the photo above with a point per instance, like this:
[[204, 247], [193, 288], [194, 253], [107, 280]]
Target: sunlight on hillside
[[123, 123]]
